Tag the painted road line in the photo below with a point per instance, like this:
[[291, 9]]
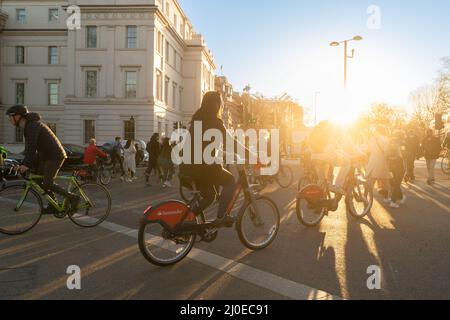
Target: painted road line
[[263, 279]]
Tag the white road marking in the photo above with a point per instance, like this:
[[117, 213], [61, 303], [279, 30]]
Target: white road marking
[[274, 283]]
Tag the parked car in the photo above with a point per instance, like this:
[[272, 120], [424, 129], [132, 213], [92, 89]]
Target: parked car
[[75, 155]]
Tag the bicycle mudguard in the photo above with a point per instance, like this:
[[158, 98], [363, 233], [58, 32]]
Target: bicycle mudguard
[[169, 214], [312, 193]]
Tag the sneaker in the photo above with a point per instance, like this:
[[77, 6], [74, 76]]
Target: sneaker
[[164, 185], [168, 184], [387, 200], [122, 179], [394, 205], [128, 180], [224, 222]]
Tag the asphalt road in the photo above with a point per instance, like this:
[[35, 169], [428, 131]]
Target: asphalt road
[[410, 245]]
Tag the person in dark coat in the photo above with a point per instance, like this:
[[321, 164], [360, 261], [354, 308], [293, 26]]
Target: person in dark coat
[[431, 149], [154, 150], [412, 152], [43, 152]]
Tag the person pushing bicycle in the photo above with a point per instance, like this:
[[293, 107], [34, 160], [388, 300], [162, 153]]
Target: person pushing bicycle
[[43, 151]]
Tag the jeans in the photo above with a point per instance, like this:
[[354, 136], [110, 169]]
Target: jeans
[[409, 164], [431, 164]]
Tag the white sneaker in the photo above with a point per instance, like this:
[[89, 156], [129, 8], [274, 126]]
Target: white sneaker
[[122, 179], [394, 205], [403, 201], [168, 184], [128, 180], [387, 200]]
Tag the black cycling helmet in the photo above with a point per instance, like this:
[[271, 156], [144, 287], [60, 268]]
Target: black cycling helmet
[[18, 109]]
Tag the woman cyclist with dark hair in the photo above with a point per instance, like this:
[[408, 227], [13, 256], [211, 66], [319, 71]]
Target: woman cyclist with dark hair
[[206, 176]]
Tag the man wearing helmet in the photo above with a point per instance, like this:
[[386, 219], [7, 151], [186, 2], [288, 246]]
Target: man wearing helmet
[[43, 151]]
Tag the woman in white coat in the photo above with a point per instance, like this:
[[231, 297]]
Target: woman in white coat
[[378, 168], [130, 160]]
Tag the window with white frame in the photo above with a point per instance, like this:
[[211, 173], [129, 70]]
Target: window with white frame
[[130, 84], [53, 55], [21, 16], [131, 37], [89, 130], [91, 37], [20, 55], [159, 42], [20, 93], [53, 14], [174, 95], [158, 85], [53, 94], [166, 90], [129, 130], [167, 51], [91, 83]]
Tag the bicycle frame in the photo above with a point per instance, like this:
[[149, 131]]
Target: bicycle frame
[[242, 185], [32, 184]]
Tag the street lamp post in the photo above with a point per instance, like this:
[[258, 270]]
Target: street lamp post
[[346, 56]]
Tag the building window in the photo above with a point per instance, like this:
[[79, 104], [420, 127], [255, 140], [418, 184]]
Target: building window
[[158, 85], [20, 55], [91, 37], [166, 126], [20, 93], [19, 135], [91, 84], [21, 16], [180, 98], [175, 21], [53, 55], [131, 37], [166, 90], [52, 126], [159, 42], [89, 130], [53, 96], [174, 95], [129, 129], [167, 9], [131, 84], [175, 57], [167, 51], [53, 14], [159, 127]]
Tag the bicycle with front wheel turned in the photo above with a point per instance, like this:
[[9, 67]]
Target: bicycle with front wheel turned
[[22, 206], [168, 231], [314, 200]]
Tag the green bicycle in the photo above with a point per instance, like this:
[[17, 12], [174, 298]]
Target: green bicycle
[[21, 206]]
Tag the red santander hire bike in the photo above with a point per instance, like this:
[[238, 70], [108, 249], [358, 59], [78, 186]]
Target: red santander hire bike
[[168, 231]]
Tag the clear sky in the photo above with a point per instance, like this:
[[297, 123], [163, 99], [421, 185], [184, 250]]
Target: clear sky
[[283, 46]]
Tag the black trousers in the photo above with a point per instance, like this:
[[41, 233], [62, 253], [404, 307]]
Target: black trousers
[[152, 165], [115, 158], [49, 170], [398, 172], [205, 181], [409, 164]]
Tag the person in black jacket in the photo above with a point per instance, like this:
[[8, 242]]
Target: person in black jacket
[[412, 151], [43, 152], [431, 148], [207, 176], [154, 150]]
